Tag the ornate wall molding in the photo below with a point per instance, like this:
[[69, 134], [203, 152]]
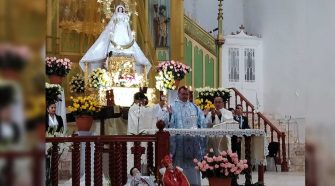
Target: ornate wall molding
[[199, 34]]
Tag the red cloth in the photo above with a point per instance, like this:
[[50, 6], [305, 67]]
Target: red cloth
[[174, 177]]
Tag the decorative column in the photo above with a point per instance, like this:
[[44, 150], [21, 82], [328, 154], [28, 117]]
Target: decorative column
[[220, 42], [177, 33]]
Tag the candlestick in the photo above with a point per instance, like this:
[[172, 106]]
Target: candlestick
[[86, 74], [190, 98]]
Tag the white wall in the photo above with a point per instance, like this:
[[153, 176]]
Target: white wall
[[205, 13], [298, 39]]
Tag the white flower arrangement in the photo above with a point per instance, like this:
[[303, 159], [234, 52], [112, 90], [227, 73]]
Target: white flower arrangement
[[207, 93], [100, 79], [53, 92], [77, 84], [165, 81]]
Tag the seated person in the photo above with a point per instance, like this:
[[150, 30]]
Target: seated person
[[137, 179], [172, 176], [53, 121]]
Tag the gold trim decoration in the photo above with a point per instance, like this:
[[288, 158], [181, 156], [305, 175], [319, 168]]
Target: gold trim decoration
[[91, 28], [109, 10], [122, 47], [199, 34]]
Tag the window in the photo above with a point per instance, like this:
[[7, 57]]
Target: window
[[249, 64], [233, 64]]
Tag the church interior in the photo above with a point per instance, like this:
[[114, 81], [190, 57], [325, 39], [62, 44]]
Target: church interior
[[174, 92]]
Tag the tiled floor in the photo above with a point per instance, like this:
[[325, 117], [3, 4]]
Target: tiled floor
[[270, 178], [275, 179]]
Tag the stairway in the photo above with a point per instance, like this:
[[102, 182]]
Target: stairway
[[258, 120]]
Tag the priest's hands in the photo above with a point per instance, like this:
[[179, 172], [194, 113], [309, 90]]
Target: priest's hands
[[169, 109], [215, 112]]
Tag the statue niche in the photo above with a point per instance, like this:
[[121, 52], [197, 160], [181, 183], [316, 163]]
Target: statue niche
[[118, 40], [160, 26]]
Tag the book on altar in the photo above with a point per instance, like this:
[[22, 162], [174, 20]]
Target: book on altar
[[227, 125]]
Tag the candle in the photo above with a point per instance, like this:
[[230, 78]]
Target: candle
[[190, 94], [86, 74], [145, 74]]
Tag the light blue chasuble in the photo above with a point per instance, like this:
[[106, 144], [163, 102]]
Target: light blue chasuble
[[186, 115]]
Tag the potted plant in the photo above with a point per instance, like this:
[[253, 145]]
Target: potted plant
[[169, 74], [222, 168], [57, 69], [84, 108]]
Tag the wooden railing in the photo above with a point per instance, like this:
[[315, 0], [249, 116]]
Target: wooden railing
[[8, 168], [258, 120], [117, 150]]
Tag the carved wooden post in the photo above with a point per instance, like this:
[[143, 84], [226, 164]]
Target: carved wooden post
[[76, 164], [284, 166], [279, 151], [54, 164], [150, 157], [137, 150], [38, 157], [88, 164], [248, 177], [124, 163], [9, 172], [261, 174], [118, 162], [162, 147], [98, 163], [112, 163]]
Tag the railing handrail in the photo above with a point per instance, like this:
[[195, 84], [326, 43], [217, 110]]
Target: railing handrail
[[118, 138], [244, 98], [268, 122]]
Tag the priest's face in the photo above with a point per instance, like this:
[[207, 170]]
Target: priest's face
[[218, 103], [183, 95]]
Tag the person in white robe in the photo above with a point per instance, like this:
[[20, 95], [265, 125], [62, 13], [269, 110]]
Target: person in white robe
[[217, 117], [160, 112], [117, 38]]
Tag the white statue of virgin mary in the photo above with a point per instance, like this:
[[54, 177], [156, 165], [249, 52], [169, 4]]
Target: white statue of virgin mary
[[117, 38]]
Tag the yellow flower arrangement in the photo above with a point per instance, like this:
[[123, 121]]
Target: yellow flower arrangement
[[204, 104], [84, 105]]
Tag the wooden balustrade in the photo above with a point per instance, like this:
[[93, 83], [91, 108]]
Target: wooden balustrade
[[261, 121], [10, 158], [117, 155]]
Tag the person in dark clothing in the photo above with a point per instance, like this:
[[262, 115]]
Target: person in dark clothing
[[53, 120], [236, 141]]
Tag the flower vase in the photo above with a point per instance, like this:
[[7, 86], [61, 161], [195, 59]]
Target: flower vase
[[215, 181], [55, 79], [84, 122], [176, 83]]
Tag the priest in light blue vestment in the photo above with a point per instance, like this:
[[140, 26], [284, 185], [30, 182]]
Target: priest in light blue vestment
[[186, 115]]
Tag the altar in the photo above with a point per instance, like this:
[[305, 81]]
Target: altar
[[253, 146]]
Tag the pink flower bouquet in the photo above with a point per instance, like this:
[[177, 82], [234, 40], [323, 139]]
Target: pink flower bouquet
[[226, 164], [179, 70], [59, 67]]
